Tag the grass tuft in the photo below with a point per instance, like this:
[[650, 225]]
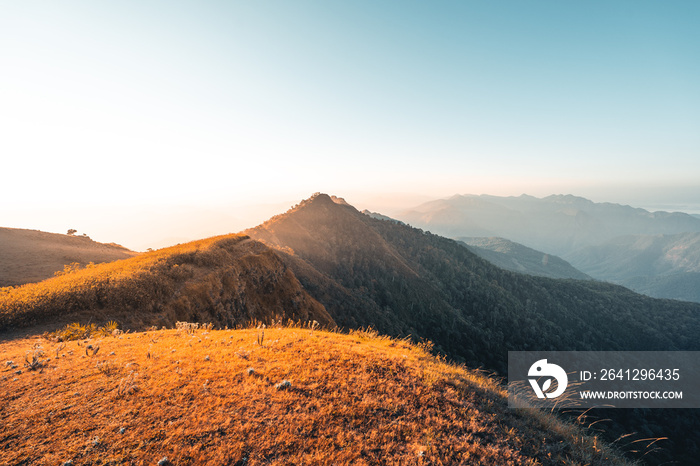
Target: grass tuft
[[33, 359]]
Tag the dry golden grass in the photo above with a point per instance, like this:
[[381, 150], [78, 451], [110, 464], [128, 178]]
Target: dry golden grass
[[202, 280], [219, 397], [30, 256], [70, 288]]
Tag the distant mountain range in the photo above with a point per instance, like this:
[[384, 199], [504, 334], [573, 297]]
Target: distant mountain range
[[358, 271], [30, 256], [595, 238], [555, 224], [666, 266]]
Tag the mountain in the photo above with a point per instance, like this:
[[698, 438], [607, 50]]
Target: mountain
[[277, 396], [663, 266], [607, 241], [555, 224], [31, 256], [227, 280], [518, 258], [404, 281]]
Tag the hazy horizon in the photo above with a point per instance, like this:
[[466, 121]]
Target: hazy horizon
[[153, 123], [141, 227]]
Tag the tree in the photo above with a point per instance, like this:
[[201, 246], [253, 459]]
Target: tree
[[71, 232]]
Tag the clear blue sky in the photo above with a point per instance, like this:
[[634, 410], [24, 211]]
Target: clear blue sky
[[118, 105]]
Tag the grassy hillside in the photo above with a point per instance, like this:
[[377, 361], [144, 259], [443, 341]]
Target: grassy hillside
[[28, 256], [191, 397], [229, 280]]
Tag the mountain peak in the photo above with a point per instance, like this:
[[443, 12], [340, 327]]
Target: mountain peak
[[323, 199], [317, 203], [316, 199]]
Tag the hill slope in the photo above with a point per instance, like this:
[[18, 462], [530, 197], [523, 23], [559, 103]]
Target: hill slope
[[212, 398], [664, 266], [511, 256], [28, 256], [518, 258], [228, 280]]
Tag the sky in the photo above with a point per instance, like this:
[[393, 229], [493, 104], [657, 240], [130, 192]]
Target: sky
[[153, 122]]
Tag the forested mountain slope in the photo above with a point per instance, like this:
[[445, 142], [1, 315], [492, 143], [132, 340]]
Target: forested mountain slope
[[407, 281]]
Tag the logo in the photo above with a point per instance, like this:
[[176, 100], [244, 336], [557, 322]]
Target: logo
[[543, 369]]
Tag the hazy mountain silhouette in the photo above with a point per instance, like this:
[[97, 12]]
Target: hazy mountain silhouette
[[664, 266], [555, 224], [513, 256], [510, 255], [379, 216]]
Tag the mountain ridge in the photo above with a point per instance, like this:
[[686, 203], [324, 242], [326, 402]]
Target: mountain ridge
[[518, 258], [663, 266], [475, 312], [228, 280]]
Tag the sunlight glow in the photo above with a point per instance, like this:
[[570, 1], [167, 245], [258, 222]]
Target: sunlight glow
[[121, 106]]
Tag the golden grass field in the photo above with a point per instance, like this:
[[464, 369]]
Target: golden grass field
[[201, 280], [219, 397], [28, 256]]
